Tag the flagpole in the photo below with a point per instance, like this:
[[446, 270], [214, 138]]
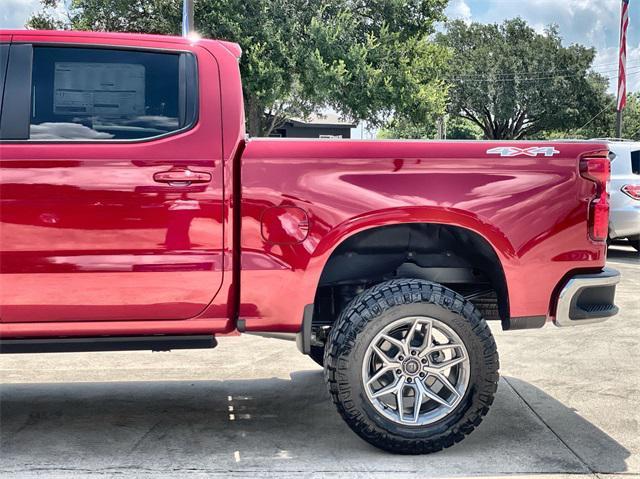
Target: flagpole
[[618, 123], [187, 17]]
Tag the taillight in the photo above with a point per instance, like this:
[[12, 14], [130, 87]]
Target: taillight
[[598, 170], [599, 219], [632, 190]]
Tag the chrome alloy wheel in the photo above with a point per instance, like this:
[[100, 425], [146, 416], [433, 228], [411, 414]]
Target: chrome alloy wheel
[[416, 371]]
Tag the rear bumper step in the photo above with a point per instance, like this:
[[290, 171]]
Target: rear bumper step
[[114, 343], [588, 299]]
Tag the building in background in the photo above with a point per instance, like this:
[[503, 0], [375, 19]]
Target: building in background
[[317, 126]]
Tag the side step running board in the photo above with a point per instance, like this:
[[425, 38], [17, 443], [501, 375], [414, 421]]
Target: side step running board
[[114, 343]]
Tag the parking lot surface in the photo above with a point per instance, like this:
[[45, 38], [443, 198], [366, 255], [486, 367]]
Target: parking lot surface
[[568, 405]]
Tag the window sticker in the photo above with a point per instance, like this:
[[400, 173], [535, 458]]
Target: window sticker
[[103, 89]]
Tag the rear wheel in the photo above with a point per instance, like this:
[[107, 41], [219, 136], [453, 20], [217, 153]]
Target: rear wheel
[[411, 366]]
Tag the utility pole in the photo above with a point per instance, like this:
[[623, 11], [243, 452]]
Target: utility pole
[[187, 17], [441, 128], [445, 120]]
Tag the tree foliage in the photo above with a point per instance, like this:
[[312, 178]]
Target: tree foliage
[[603, 126], [364, 58], [457, 128], [631, 118], [513, 82]]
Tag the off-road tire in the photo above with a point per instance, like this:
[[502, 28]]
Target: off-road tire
[[369, 313]]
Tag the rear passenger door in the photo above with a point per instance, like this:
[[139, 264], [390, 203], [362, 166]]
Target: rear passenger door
[[111, 182]]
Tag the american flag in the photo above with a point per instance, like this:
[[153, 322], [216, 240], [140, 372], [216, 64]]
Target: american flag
[[622, 65]]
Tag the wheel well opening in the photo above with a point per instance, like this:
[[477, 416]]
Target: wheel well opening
[[455, 257]]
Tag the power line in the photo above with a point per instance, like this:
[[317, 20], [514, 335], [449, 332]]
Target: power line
[[609, 105], [544, 73], [595, 67], [533, 78], [630, 72], [616, 62], [548, 72]]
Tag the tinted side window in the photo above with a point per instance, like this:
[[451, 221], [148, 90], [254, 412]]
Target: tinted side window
[[103, 94], [635, 162], [4, 57]]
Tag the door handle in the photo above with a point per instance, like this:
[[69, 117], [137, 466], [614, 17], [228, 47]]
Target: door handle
[[182, 177]]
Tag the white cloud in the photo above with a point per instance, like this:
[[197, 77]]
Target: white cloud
[[459, 10], [14, 13], [590, 22]]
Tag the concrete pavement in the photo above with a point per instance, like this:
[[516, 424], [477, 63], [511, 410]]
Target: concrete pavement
[[567, 406]]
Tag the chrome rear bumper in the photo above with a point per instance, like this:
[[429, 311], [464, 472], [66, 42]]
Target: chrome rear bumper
[[587, 299]]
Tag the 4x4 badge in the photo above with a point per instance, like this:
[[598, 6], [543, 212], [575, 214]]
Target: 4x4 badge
[[515, 151]]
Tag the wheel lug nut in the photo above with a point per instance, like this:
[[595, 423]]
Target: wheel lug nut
[[398, 371], [413, 353], [422, 375], [409, 380], [401, 358], [424, 361]]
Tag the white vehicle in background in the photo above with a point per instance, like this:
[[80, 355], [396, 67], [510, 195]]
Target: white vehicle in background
[[624, 188]]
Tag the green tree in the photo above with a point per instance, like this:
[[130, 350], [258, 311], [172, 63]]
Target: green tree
[[513, 82], [603, 124], [630, 117], [457, 129], [398, 128], [364, 58]]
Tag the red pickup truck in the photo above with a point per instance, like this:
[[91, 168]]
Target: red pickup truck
[[135, 214]]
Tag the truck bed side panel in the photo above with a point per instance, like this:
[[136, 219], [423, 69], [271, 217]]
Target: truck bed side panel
[[532, 210]]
